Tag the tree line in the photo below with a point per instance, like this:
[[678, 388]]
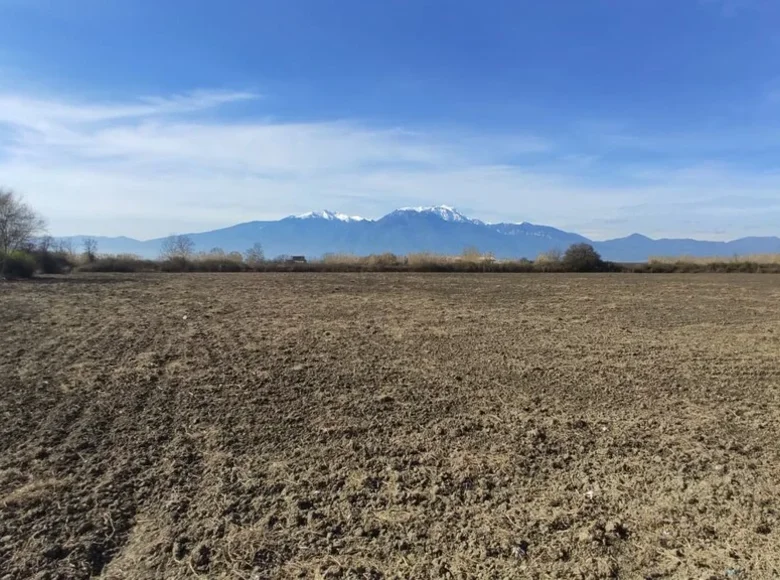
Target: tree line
[[26, 249]]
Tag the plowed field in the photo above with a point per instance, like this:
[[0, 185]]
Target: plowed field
[[390, 426]]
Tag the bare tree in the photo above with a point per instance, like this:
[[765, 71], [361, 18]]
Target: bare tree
[[65, 246], [181, 247], [19, 223], [90, 249], [255, 255], [46, 244]]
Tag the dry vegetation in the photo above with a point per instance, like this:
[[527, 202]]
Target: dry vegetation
[[742, 258], [390, 426], [470, 260]]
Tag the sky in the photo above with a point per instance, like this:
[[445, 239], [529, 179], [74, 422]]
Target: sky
[[605, 117]]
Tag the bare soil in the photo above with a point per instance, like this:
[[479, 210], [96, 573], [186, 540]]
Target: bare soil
[[390, 426]]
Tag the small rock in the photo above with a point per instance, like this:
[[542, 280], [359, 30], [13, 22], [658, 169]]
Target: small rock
[[202, 558], [180, 548], [54, 552], [763, 528], [616, 528], [520, 550], [585, 536]]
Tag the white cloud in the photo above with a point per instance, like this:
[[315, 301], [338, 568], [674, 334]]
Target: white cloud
[[152, 166], [41, 113]]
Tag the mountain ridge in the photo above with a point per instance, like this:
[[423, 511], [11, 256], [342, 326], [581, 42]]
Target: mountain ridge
[[438, 229]]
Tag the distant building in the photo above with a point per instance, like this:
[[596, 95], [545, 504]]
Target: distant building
[[298, 259]]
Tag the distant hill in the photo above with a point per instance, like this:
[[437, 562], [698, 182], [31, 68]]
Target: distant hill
[[439, 229]]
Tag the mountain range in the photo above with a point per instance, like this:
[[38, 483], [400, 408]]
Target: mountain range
[[439, 229]]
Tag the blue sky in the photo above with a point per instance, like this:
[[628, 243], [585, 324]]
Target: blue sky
[[144, 118]]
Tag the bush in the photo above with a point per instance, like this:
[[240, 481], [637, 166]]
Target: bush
[[522, 265], [210, 263], [124, 264], [553, 256], [128, 263], [383, 261], [175, 264], [53, 262], [19, 265], [578, 258], [582, 258], [216, 264]]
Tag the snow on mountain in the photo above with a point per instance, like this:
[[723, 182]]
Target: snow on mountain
[[445, 212], [526, 229], [439, 229], [330, 215]]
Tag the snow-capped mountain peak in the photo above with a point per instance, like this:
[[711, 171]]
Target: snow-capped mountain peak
[[445, 212], [330, 216]]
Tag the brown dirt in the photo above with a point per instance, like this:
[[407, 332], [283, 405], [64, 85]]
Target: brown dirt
[[390, 426]]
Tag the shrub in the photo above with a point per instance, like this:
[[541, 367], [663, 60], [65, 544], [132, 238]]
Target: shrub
[[522, 265], [121, 263], [549, 261], [209, 263], [386, 261], [655, 267], [215, 264], [428, 262], [340, 259], [19, 265], [175, 264], [53, 262], [582, 258], [553, 256]]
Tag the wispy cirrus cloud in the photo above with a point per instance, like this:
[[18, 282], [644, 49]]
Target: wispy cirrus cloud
[[150, 166], [41, 113]]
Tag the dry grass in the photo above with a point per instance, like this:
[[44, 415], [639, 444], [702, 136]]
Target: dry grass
[[736, 259]]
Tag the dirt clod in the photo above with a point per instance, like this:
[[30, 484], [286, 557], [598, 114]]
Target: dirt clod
[[389, 426]]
